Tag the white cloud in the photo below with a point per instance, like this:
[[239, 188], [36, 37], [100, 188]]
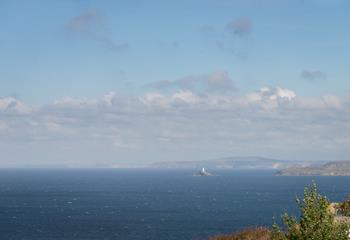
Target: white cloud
[[267, 93], [185, 97], [108, 98], [74, 102], [14, 105]]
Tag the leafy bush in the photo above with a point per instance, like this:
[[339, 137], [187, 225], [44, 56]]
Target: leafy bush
[[316, 221], [344, 207]]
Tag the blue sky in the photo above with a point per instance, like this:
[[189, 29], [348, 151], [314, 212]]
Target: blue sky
[[166, 40], [57, 50]]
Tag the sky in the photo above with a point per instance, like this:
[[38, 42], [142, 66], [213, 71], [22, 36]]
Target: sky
[[126, 83]]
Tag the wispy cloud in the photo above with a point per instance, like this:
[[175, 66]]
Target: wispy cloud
[[92, 24], [231, 37], [313, 75], [86, 21], [219, 81], [240, 27]]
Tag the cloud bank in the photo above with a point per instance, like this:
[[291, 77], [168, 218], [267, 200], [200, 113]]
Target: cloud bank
[[272, 121]]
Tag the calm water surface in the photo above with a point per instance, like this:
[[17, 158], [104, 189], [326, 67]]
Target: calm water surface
[[145, 204]]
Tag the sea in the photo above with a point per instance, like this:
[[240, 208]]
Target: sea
[[135, 204]]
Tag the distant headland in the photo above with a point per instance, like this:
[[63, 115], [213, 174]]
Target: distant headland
[[336, 168]]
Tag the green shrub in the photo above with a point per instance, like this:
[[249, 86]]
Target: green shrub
[[316, 220], [344, 207]]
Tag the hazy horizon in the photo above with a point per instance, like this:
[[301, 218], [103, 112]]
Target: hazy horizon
[[128, 83]]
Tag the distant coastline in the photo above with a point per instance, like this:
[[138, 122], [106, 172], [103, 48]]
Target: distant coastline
[[234, 163], [337, 168]]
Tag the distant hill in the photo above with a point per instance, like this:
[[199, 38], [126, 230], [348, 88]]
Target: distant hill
[[336, 168], [250, 162]]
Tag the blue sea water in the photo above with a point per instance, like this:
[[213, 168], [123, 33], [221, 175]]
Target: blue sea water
[[146, 204]]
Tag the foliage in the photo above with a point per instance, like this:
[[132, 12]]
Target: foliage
[[344, 207], [316, 221]]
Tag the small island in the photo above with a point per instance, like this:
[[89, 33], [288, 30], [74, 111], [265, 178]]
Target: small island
[[337, 168], [203, 173]]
